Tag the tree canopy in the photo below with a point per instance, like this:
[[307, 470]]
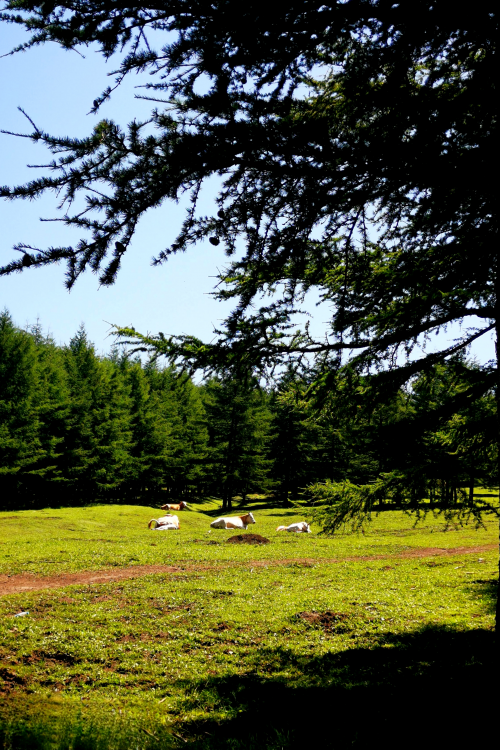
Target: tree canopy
[[353, 144], [76, 427]]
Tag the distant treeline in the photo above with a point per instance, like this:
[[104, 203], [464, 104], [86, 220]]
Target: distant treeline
[[76, 427]]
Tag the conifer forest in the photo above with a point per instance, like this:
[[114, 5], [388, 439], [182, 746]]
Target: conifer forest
[[78, 427]]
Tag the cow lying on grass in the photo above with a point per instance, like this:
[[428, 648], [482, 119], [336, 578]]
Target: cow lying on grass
[[165, 523], [233, 522], [298, 527], [175, 506]]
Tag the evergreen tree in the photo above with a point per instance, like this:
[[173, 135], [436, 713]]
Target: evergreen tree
[[460, 450], [193, 435], [294, 442], [95, 457], [239, 425], [395, 132], [336, 442], [392, 140], [179, 402], [52, 400], [21, 452], [373, 440], [150, 437]]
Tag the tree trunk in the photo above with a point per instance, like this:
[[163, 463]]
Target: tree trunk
[[227, 493], [227, 497], [284, 490], [446, 493], [471, 490]]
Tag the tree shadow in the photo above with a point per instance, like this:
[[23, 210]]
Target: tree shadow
[[238, 507], [488, 588], [430, 688], [254, 505], [284, 512]]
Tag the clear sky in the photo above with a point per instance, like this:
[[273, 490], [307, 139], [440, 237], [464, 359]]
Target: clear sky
[[56, 88]]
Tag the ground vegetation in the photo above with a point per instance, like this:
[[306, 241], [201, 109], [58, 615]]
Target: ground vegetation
[[353, 146], [222, 646]]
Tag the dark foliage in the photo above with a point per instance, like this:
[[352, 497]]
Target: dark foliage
[[353, 144]]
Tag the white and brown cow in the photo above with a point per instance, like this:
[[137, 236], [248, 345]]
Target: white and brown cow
[[298, 527], [233, 522], [165, 523], [175, 506]]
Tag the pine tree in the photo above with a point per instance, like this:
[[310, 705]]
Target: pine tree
[[179, 402], [150, 434], [52, 403], [294, 440], [97, 436], [370, 183], [21, 452], [239, 422], [460, 450], [193, 435]]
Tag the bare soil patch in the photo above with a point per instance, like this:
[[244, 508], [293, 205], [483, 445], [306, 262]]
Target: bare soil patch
[[328, 620], [16, 584], [10, 681], [50, 658], [27, 582], [248, 539]]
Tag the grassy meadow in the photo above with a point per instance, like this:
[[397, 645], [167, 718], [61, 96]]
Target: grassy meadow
[[308, 641]]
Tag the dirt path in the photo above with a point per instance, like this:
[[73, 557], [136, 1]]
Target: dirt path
[[16, 584]]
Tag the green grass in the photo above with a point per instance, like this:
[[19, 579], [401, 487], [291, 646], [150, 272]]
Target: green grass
[[72, 539], [230, 649]]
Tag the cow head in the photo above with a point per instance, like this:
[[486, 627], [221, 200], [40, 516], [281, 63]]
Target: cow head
[[183, 505], [249, 518]]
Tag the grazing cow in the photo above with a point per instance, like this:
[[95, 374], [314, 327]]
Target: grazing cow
[[165, 523], [175, 506], [299, 527], [233, 522]]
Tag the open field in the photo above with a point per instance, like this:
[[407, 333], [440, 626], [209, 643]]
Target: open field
[[204, 644]]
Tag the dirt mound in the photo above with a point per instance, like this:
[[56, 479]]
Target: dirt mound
[[248, 539], [328, 620]]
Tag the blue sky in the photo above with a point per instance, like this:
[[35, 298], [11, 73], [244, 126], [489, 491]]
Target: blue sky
[[57, 88]]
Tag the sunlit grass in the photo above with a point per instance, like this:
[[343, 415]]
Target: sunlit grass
[[157, 651], [72, 539]]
